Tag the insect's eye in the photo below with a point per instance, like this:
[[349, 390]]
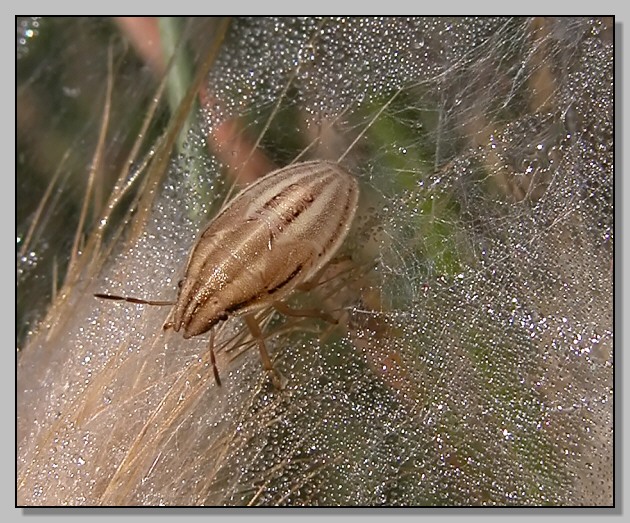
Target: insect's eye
[[180, 283], [222, 316]]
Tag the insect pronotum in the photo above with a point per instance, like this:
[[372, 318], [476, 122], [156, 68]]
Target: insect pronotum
[[275, 235]]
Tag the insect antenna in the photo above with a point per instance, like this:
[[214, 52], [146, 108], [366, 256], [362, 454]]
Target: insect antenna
[[131, 299]]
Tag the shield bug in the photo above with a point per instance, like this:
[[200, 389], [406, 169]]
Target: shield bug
[[276, 234]]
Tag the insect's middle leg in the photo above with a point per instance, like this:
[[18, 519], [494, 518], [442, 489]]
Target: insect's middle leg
[[278, 380]]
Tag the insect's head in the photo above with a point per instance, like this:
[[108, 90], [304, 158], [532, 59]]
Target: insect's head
[[196, 315]]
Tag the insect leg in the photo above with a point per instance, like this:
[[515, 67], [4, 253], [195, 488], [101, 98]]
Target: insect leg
[[283, 308], [318, 279], [278, 380]]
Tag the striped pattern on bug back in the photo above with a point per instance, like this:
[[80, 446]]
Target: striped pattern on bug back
[[274, 235]]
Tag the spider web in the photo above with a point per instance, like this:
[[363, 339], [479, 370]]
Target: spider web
[[473, 361]]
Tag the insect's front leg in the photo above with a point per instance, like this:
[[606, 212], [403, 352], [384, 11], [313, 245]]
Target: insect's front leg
[[279, 381]]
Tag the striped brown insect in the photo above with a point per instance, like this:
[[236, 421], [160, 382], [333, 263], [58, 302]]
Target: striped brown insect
[[275, 235]]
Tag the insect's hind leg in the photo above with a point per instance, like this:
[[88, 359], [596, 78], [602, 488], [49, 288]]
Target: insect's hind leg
[[278, 380], [283, 308]]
